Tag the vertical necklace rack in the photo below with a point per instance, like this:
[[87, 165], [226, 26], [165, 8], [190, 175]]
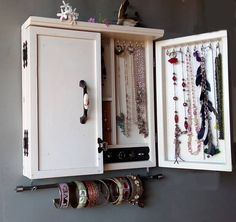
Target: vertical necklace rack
[[199, 119]]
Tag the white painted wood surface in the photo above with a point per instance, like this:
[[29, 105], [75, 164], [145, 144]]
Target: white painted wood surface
[[59, 144], [111, 31]]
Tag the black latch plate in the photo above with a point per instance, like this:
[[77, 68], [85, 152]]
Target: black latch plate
[[116, 155]]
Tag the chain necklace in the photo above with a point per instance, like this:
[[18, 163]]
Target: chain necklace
[[192, 107], [140, 88]]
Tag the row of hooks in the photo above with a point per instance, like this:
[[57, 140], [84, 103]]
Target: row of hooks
[[203, 47]]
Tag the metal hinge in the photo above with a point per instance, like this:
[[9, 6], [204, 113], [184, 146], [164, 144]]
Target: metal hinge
[[102, 145], [25, 54], [154, 62], [26, 143]]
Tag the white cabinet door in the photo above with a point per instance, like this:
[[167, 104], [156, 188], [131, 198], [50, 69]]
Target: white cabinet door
[[193, 102], [59, 144]]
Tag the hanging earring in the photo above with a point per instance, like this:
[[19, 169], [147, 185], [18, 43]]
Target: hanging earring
[[119, 48]]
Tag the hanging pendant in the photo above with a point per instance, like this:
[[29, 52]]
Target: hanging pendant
[[120, 120], [119, 49]]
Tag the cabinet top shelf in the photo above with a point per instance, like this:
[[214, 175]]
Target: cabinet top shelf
[[106, 30]]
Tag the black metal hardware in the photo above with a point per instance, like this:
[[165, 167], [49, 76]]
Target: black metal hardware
[[83, 119], [117, 155], [26, 143], [55, 185], [153, 177], [35, 187], [25, 54], [102, 145]]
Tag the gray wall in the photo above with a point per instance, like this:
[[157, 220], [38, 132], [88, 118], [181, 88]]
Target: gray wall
[[184, 195]]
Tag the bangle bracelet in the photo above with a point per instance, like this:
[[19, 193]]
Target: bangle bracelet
[[81, 194], [124, 189], [120, 186], [64, 194], [93, 193], [136, 189], [113, 190], [104, 193], [73, 199]]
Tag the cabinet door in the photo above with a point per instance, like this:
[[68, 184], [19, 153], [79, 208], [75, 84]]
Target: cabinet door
[[193, 102], [59, 144]]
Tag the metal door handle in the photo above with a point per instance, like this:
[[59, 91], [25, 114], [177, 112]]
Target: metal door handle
[[83, 118]]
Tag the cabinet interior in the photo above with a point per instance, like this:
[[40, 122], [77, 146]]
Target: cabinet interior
[[120, 86]]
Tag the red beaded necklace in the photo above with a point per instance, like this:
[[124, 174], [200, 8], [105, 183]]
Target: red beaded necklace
[[174, 60]]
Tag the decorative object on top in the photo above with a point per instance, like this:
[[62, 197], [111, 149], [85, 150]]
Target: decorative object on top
[[123, 18], [100, 19], [68, 13]]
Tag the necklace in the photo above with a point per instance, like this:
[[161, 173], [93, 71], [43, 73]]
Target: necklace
[[205, 133], [219, 91], [174, 60], [192, 106], [185, 91], [140, 88], [120, 116]]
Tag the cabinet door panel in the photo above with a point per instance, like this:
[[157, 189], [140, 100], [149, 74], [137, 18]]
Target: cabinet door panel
[[60, 59], [181, 98]]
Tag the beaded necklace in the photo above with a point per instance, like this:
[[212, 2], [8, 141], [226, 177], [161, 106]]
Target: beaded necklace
[[174, 60], [192, 106]]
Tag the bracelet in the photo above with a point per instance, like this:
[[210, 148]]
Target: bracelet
[[81, 194], [72, 190], [104, 193], [93, 193], [64, 194], [136, 189], [113, 190], [124, 189]]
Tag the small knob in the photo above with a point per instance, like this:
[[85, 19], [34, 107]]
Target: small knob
[[122, 155]]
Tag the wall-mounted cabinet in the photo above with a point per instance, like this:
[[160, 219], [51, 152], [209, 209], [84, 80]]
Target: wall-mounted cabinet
[[89, 87]]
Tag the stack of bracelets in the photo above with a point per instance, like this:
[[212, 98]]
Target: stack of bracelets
[[117, 190]]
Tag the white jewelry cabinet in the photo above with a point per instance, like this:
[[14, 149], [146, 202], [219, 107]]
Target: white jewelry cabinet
[[65, 100]]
